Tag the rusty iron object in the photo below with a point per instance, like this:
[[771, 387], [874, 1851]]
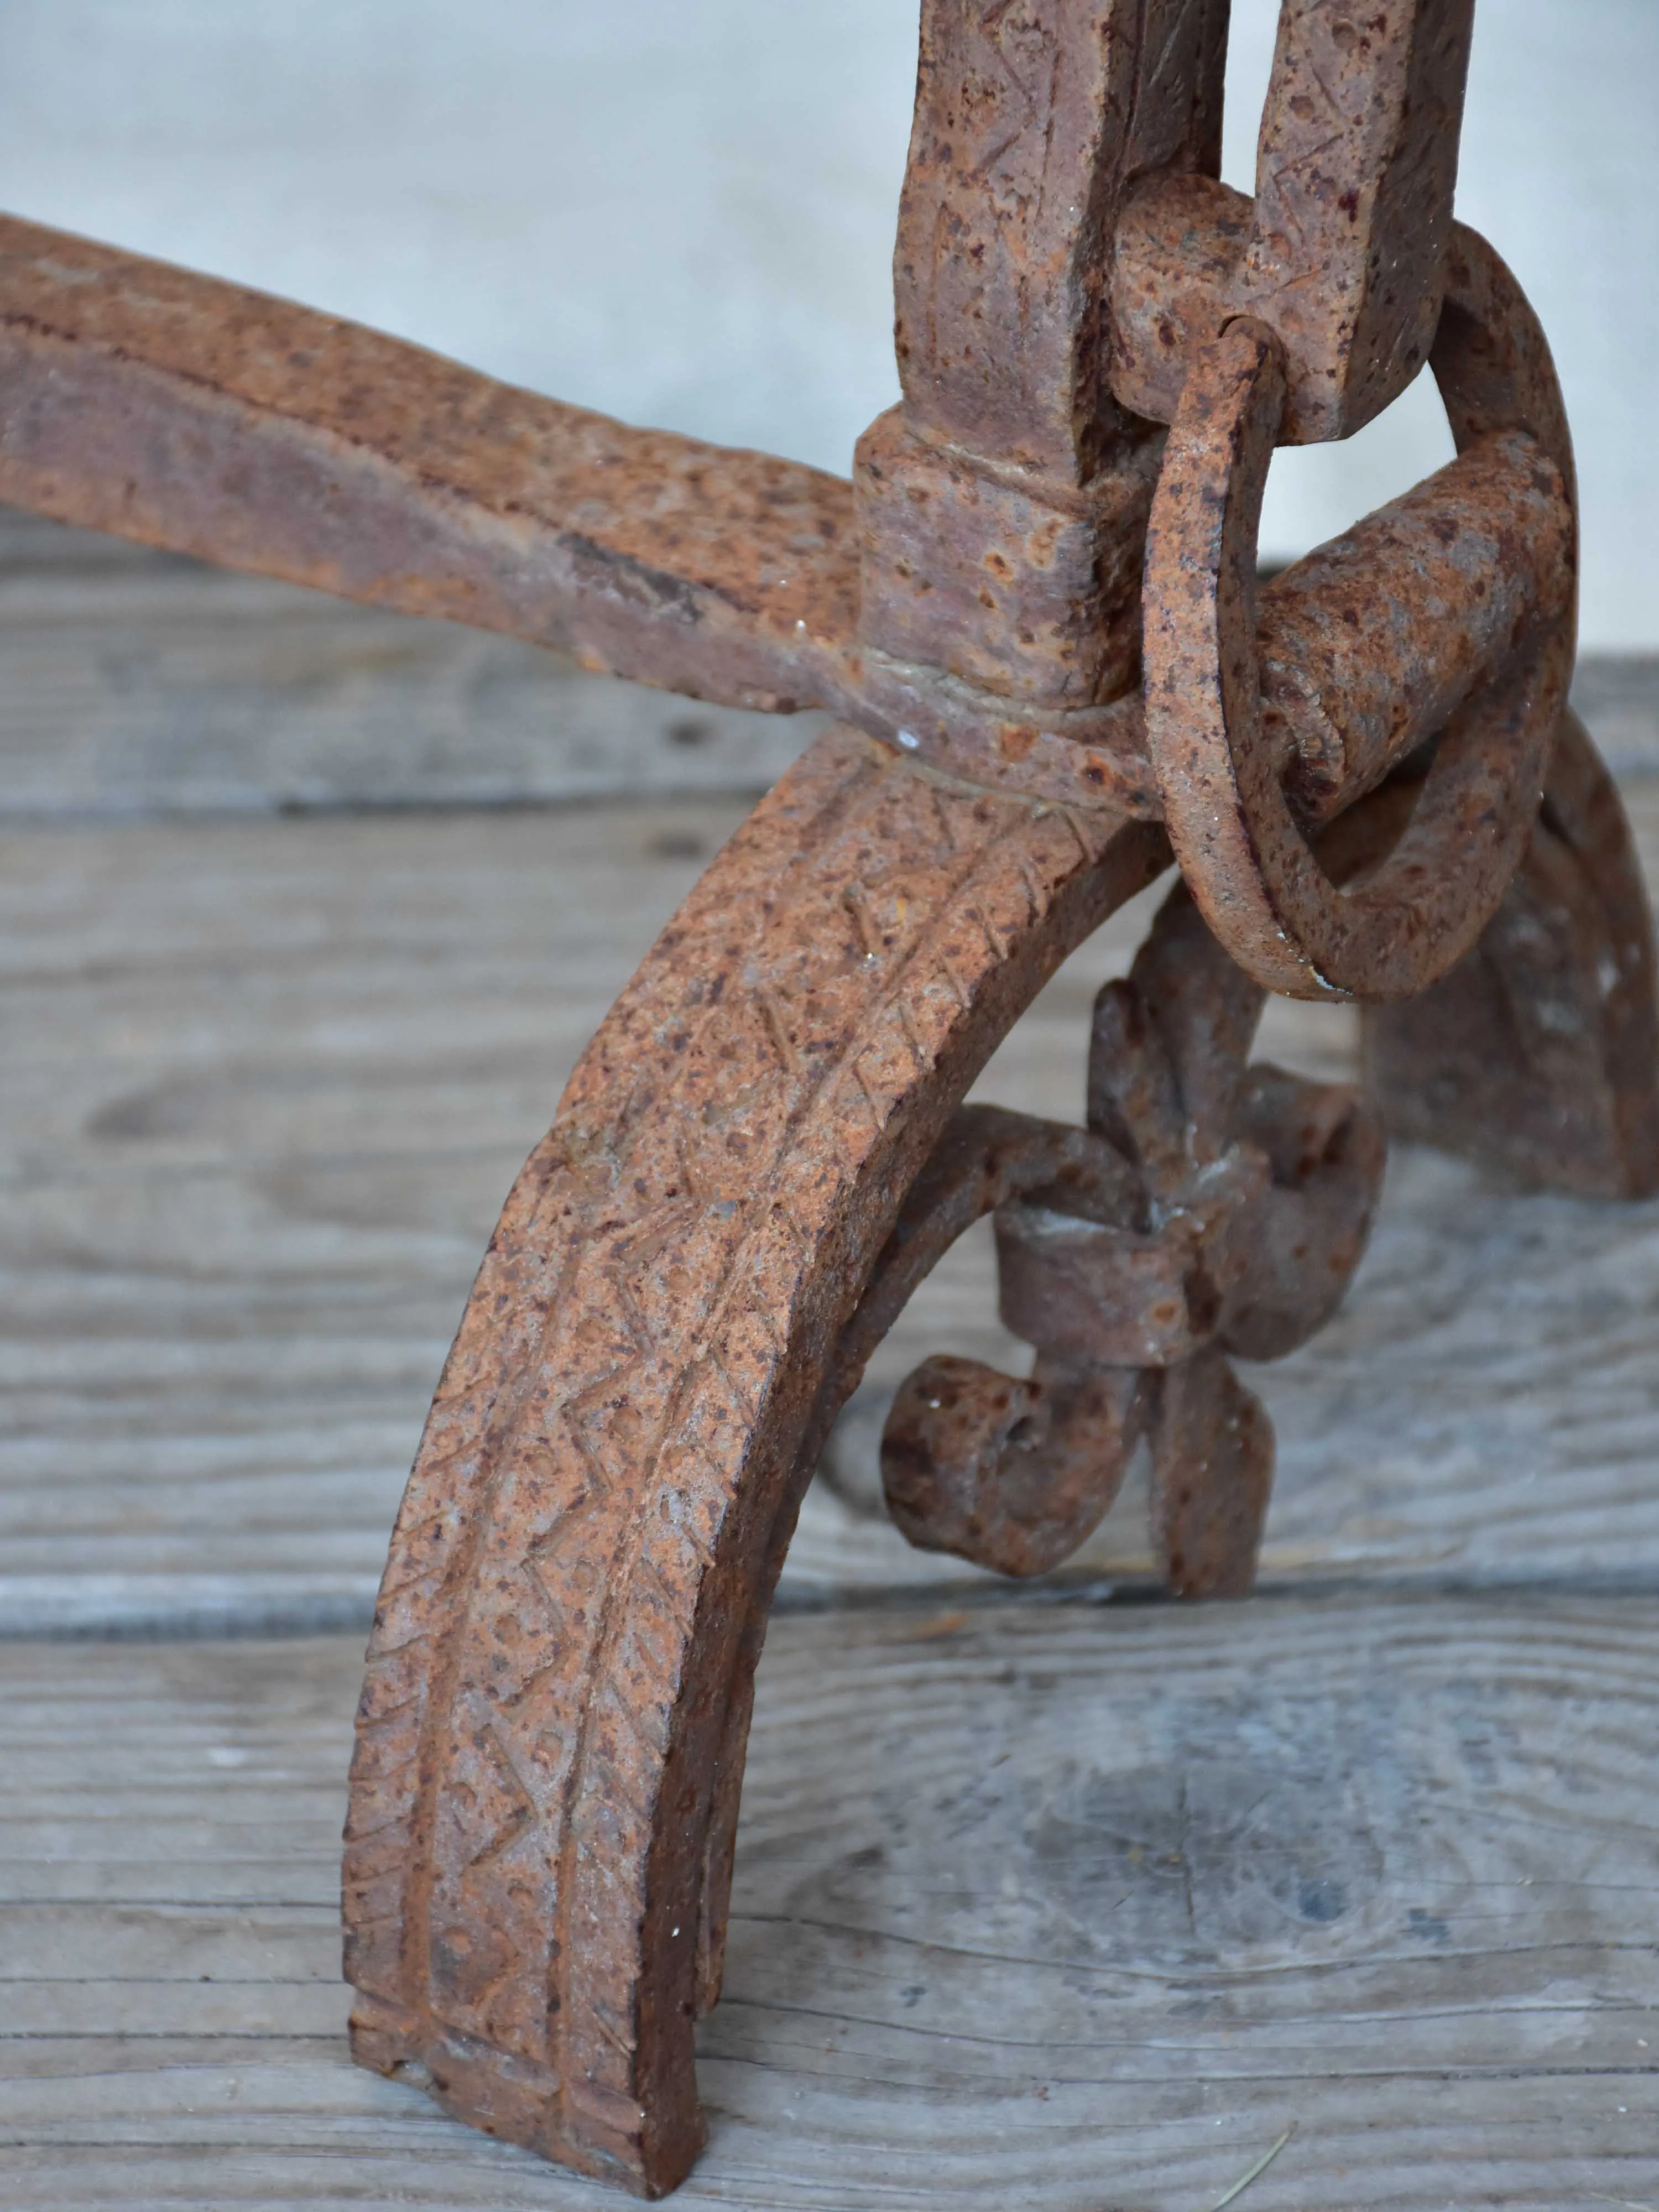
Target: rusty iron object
[[1210, 1208], [1034, 610], [1242, 779], [1538, 1050]]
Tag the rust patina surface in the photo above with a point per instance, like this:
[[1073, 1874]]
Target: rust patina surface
[[1035, 608], [1211, 1207]]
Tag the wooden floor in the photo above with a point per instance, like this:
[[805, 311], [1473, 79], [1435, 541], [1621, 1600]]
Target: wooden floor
[[1060, 1906], [1056, 1899]]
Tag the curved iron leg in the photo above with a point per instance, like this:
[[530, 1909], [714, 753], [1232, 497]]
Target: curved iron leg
[[1540, 1049], [551, 1735]]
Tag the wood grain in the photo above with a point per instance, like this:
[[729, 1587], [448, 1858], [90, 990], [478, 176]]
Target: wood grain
[[267, 1082], [1037, 1905], [142, 683], [135, 683]]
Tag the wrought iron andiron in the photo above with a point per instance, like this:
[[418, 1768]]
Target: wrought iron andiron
[[1035, 611]]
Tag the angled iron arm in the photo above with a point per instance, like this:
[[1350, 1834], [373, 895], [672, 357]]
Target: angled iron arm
[[186, 412]]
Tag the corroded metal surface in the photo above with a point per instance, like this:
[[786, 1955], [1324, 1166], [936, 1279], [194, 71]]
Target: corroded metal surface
[[1342, 252], [1236, 797], [765, 1149], [1219, 1209], [1539, 1050], [162, 405], [551, 1738]]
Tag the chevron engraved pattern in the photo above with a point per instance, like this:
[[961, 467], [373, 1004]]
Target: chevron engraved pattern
[[581, 1566], [1014, 173]]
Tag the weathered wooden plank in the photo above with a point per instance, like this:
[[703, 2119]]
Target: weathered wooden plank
[[265, 1084], [133, 682], [1617, 696], [1037, 1905]]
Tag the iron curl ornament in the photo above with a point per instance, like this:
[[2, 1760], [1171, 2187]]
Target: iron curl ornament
[[1034, 610]]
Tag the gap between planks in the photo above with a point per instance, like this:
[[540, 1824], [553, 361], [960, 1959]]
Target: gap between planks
[[1040, 1903], [143, 684], [1067, 1909], [265, 1086], [266, 1082]]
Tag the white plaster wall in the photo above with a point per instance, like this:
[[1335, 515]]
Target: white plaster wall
[[682, 210]]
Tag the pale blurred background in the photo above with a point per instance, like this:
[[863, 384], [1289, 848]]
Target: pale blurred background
[[681, 212]]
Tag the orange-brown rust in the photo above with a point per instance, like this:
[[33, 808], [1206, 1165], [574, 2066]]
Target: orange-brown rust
[[147, 401], [1539, 1050], [1343, 252], [764, 1149], [552, 1734], [1209, 1208], [1236, 795], [1041, 601]]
